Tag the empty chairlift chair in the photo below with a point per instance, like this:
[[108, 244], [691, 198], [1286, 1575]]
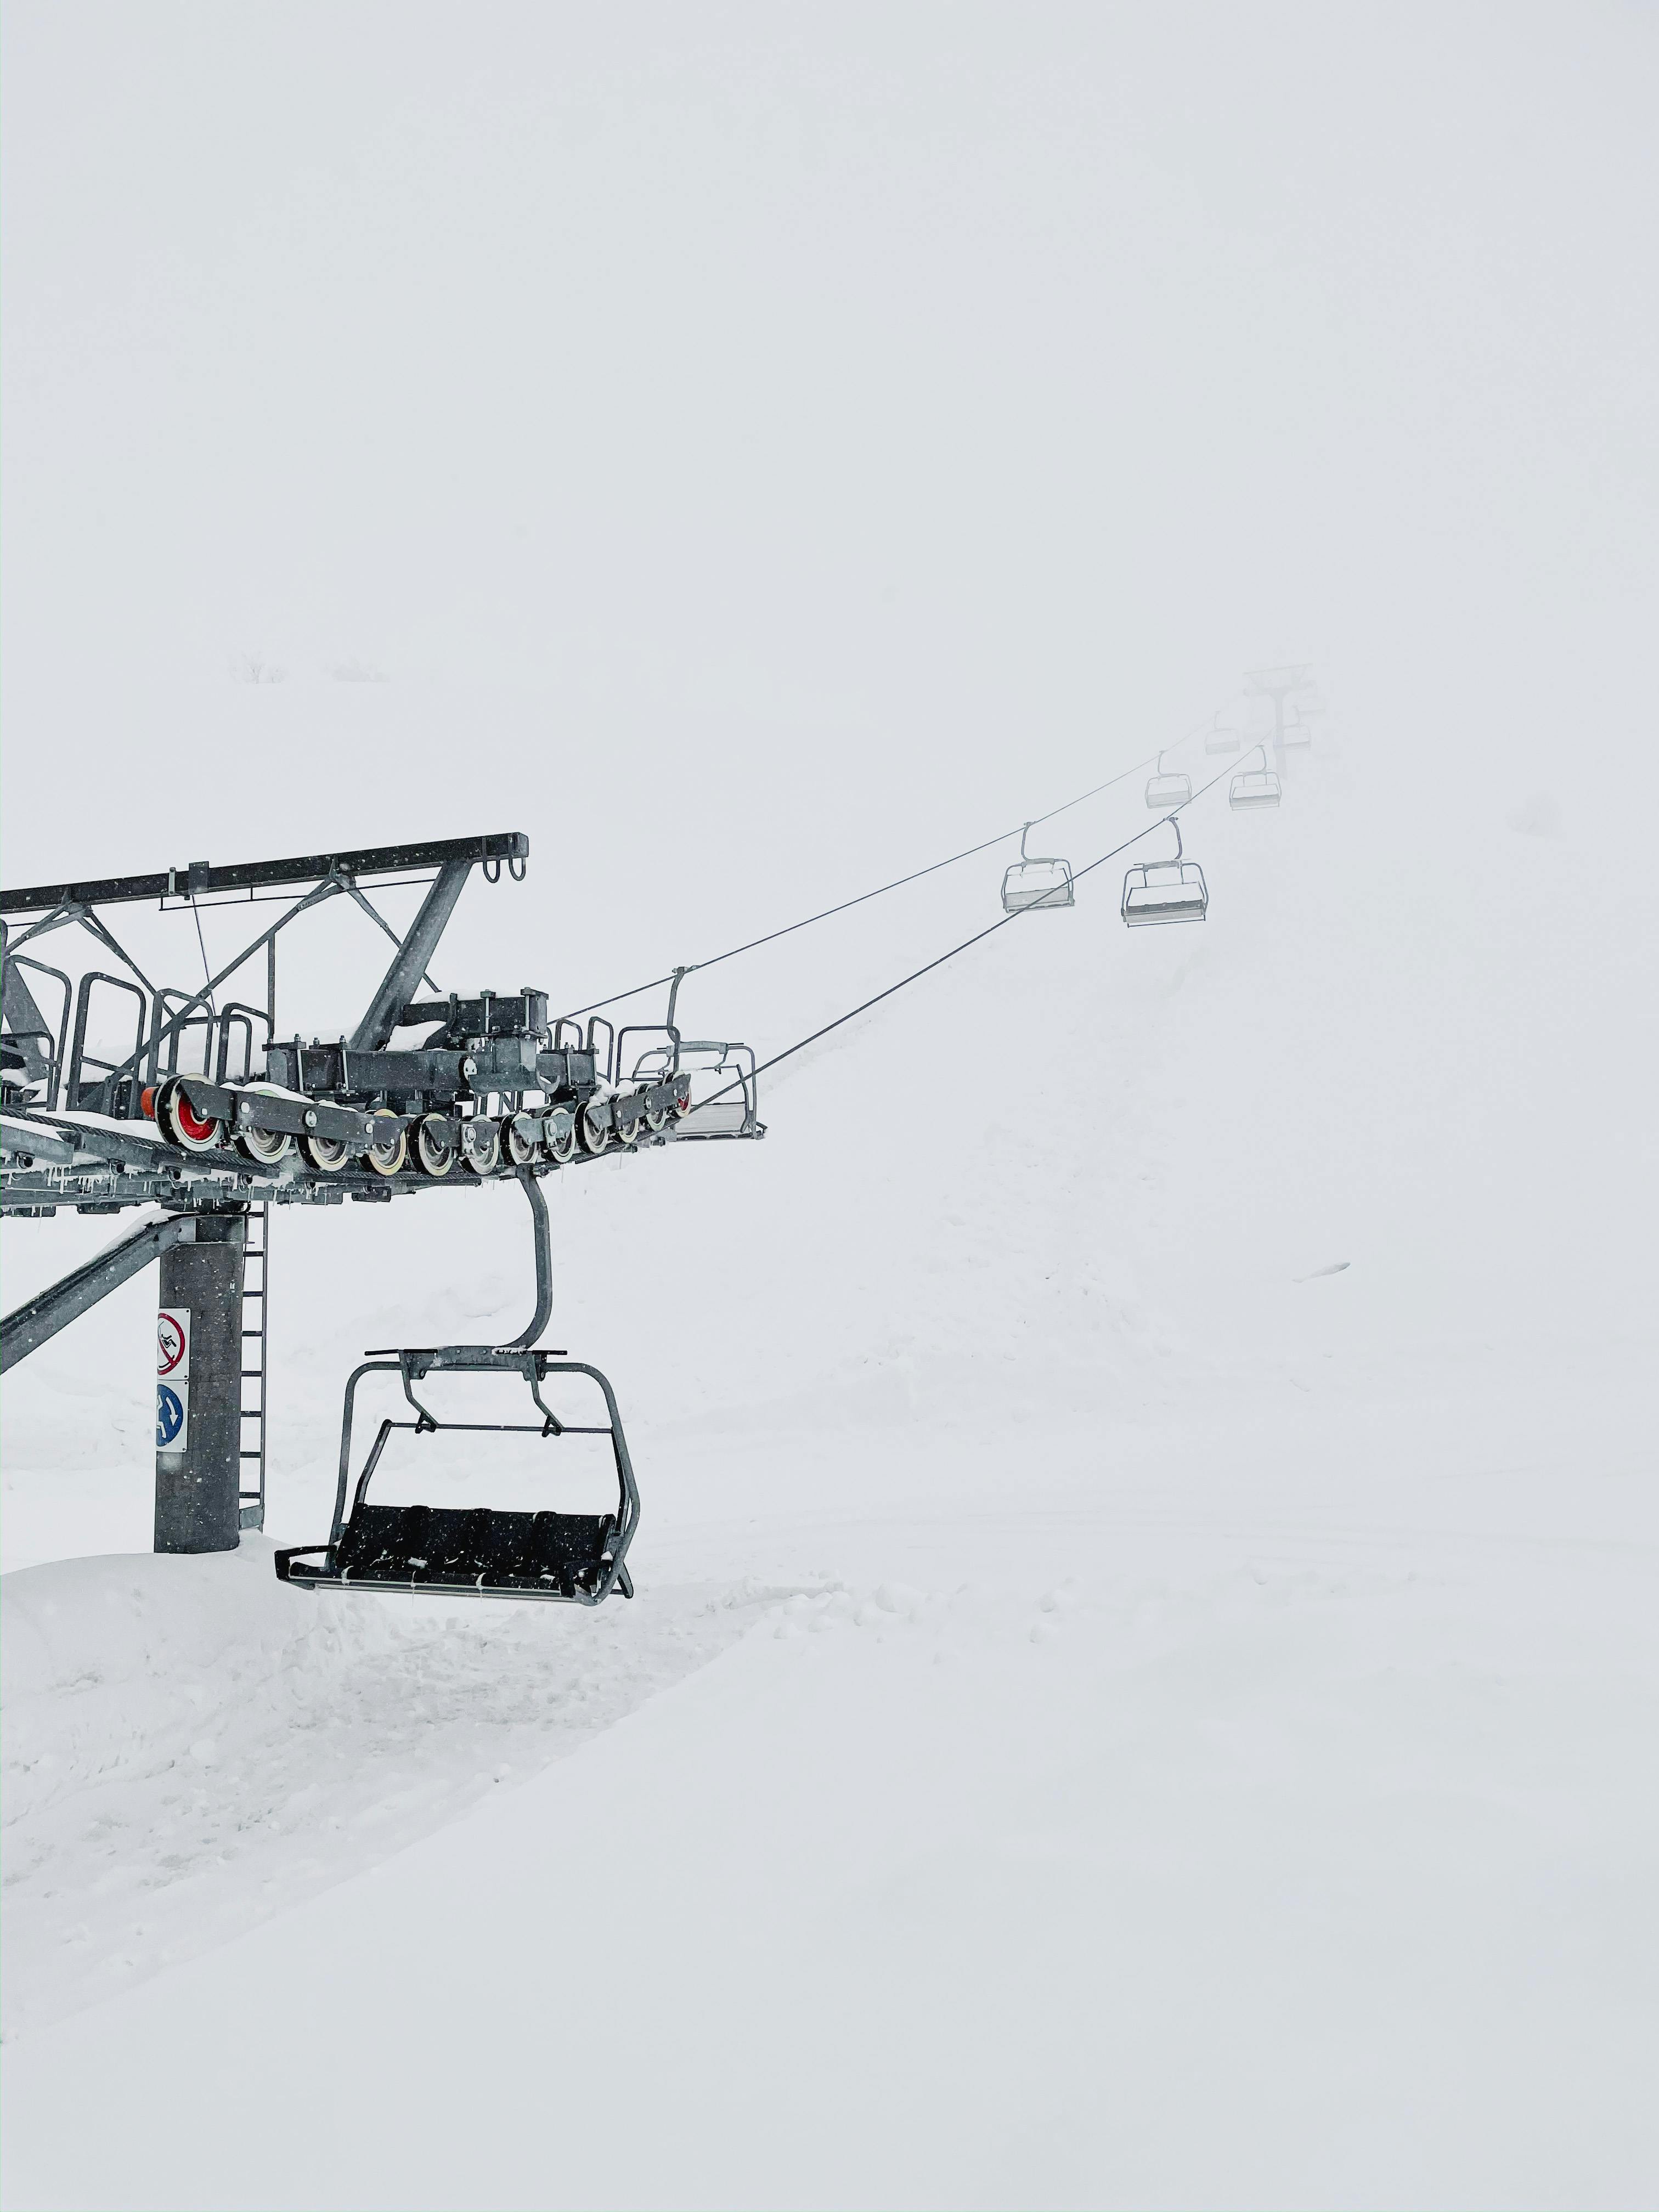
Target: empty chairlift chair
[[478, 1551], [1255, 789], [724, 1090], [1031, 881], [1167, 788], [717, 1082], [1156, 891], [1218, 738], [1304, 716]]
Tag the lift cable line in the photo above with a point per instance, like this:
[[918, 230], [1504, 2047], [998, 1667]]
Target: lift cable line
[[898, 883], [118, 1094], [979, 936]]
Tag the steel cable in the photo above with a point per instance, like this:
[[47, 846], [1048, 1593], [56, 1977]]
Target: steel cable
[[967, 942], [898, 883]]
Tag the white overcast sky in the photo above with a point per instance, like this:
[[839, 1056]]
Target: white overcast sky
[[927, 383]]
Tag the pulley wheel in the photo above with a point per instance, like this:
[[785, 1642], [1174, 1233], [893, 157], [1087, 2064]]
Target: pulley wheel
[[596, 1135], [560, 1140], [481, 1146], [625, 1114], [265, 1145], [656, 1113], [326, 1154], [178, 1119], [519, 1139], [387, 1154], [435, 1145]]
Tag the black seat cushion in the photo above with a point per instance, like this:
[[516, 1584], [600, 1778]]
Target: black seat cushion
[[443, 1544]]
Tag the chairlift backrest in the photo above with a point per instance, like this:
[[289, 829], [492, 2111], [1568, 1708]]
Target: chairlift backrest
[[725, 1091], [1255, 787], [1037, 883], [1032, 882], [1165, 890]]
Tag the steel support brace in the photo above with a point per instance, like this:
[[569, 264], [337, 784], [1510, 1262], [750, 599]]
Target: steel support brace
[[532, 1191], [40, 1318], [402, 980]]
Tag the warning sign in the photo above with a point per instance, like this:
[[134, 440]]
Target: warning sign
[[172, 1416], [173, 1341]]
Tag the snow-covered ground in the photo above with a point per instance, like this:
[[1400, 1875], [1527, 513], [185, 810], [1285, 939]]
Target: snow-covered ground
[[1115, 1712]]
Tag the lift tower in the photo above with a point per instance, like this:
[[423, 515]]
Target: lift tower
[[1277, 684], [185, 1108]]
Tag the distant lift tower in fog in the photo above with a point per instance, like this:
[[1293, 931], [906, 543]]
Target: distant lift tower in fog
[[1277, 684]]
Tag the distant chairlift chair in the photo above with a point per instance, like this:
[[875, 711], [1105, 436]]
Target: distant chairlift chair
[[1157, 891], [1167, 788], [1030, 882], [1255, 788], [1221, 739]]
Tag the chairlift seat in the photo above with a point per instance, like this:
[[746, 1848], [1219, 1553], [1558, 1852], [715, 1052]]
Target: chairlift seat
[[1222, 741], [1255, 787], [721, 1117], [1164, 792], [1037, 883], [472, 1550], [1297, 732], [1157, 891], [716, 1067]]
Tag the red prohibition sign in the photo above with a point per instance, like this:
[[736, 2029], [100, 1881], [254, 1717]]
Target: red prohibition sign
[[169, 1343]]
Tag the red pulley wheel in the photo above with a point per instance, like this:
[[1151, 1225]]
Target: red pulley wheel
[[192, 1124]]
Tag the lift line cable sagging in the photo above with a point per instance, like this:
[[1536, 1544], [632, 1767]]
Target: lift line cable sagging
[[863, 898], [979, 936], [492, 1091]]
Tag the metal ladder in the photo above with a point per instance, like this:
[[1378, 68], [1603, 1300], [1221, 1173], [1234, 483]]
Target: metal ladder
[[252, 1502]]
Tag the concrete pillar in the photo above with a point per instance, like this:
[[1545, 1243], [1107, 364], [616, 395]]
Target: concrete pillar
[[199, 1388]]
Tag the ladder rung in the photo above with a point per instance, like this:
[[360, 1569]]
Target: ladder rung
[[253, 1455], [253, 1374]]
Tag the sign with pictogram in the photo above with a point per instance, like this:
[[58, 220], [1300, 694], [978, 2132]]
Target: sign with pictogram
[[172, 1416], [172, 1342]]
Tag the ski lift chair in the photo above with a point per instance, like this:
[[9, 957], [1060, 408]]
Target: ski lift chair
[[723, 1089], [1156, 891], [1031, 881], [1255, 788], [716, 1086], [1221, 739], [722, 1093], [478, 1551], [1167, 788], [1297, 731]]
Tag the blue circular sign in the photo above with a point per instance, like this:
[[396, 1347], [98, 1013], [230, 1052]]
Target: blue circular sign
[[169, 1416]]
